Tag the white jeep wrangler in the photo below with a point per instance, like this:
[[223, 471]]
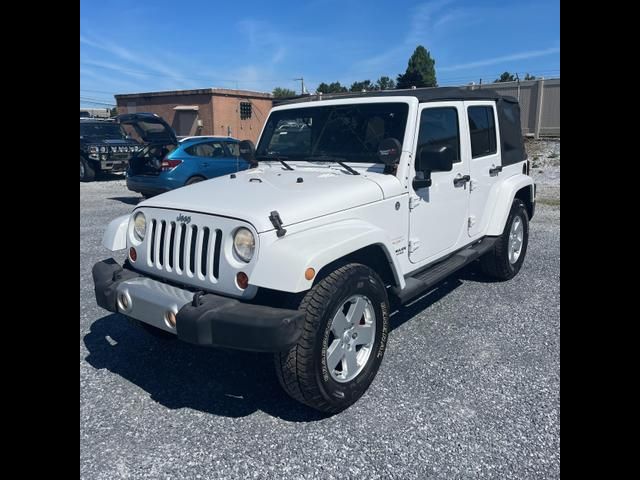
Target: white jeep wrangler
[[372, 201]]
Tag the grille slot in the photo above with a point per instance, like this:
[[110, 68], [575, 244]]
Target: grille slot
[[183, 234], [161, 259], [192, 249], [205, 251]]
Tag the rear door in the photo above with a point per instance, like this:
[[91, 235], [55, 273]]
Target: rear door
[[439, 213], [486, 165]]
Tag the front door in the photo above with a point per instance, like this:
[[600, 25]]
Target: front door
[[439, 214]]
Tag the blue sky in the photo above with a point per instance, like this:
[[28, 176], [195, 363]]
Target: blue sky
[[145, 45]]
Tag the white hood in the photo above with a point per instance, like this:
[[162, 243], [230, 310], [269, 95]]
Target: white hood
[[255, 193]]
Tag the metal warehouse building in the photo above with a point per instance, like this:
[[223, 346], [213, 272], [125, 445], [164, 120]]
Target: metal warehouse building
[[209, 111]]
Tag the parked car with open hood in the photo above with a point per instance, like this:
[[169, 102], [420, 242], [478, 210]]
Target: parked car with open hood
[[166, 163], [104, 148], [375, 201]]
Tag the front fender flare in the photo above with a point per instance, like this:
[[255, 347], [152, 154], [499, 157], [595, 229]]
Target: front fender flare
[[282, 261], [115, 237], [505, 197]]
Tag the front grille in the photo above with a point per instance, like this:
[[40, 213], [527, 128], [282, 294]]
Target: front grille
[[119, 157], [190, 250]]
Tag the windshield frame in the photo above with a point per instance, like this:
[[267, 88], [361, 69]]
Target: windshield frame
[[269, 131]]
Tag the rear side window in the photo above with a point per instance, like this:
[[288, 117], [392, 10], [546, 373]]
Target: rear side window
[[483, 131], [210, 150], [439, 127]]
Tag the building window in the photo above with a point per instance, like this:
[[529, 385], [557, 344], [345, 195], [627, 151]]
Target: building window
[[245, 110]]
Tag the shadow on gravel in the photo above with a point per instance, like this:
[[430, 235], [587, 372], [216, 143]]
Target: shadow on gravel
[[221, 382], [128, 200], [108, 177], [179, 375], [407, 312]]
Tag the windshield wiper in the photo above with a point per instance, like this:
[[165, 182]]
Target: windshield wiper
[[338, 160], [275, 157]]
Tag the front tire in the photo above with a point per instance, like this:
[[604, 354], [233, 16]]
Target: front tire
[[343, 342], [87, 172], [506, 258]]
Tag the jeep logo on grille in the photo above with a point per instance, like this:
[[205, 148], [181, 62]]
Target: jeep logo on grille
[[183, 218]]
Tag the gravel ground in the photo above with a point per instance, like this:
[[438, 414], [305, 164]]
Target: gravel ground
[[469, 387], [545, 169]]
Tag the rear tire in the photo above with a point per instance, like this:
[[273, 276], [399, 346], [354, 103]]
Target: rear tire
[[506, 258], [87, 172], [342, 343], [193, 180]]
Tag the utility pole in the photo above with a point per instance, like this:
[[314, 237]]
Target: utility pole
[[302, 84]]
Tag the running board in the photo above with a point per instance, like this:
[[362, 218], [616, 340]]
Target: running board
[[426, 279]]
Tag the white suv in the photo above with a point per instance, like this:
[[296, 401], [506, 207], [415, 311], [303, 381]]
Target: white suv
[[378, 198]]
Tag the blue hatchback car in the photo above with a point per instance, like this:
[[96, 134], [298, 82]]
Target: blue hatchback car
[[165, 163]]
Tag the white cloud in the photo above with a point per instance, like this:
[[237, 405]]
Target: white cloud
[[497, 60]]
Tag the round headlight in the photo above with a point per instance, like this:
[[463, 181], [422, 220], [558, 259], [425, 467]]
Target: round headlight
[[244, 244], [103, 149], [139, 226]]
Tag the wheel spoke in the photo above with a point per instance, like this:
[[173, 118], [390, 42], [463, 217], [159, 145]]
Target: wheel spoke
[[350, 362], [339, 324], [356, 310], [334, 354], [365, 334]]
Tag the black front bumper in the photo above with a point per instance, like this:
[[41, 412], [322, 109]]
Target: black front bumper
[[210, 319]]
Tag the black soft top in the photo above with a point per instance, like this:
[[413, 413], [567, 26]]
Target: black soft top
[[512, 142]]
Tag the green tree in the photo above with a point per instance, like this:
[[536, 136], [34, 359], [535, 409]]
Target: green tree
[[280, 92], [385, 83], [334, 87], [113, 112], [529, 77], [505, 77], [367, 85], [421, 70]]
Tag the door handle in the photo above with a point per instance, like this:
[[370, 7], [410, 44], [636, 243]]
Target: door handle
[[495, 170], [462, 180]]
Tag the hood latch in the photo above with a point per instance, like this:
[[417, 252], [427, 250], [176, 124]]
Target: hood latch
[[276, 221]]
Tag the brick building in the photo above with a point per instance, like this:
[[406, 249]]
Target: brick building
[[208, 111]]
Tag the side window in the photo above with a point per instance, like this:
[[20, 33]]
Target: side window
[[210, 150], [234, 149], [483, 131], [439, 127]]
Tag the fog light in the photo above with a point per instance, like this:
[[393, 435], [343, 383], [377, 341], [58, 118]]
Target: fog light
[[309, 273], [133, 255], [242, 280], [123, 301], [170, 318]]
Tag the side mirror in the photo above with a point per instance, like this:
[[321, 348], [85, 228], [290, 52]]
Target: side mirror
[[435, 158], [389, 151], [248, 152]]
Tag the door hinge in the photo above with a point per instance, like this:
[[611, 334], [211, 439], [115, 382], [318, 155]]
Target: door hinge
[[472, 185], [414, 244], [413, 202], [472, 221]]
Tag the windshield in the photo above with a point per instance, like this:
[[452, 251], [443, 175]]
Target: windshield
[[349, 132], [102, 130]]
